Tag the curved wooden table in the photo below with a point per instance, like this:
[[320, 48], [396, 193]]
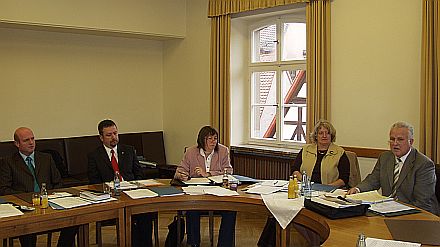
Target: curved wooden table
[[313, 226], [41, 220], [344, 232]]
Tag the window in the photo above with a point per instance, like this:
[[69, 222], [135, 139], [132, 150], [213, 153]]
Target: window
[[278, 80]]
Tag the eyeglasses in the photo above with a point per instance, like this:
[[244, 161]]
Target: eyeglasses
[[211, 138], [397, 140]]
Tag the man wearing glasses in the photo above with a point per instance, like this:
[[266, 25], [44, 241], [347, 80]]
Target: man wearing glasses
[[403, 172]]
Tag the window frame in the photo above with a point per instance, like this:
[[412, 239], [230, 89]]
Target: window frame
[[278, 66]]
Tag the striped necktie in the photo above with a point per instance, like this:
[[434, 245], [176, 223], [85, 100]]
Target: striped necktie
[[395, 176], [31, 168]]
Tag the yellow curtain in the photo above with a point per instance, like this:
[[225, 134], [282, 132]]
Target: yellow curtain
[[318, 61], [220, 79], [318, 58], [430, 82], [224, 7]]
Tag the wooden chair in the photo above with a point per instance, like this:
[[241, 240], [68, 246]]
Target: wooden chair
[[437, 184], [355, 174]]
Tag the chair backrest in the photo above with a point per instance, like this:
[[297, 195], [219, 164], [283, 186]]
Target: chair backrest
[[437, 184], [355, 173]]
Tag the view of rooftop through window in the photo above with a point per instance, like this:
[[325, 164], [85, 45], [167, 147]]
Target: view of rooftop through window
[[279, 93]]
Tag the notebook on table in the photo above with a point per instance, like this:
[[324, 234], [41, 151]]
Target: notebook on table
[[167, 191]]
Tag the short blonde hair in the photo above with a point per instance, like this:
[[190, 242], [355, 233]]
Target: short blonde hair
[[326, 124]]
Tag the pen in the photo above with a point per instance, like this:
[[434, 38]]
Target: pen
[[343, 199]]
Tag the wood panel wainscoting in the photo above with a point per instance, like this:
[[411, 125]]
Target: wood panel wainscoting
[[270, 163]]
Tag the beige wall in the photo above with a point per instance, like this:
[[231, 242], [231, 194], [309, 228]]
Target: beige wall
[[70, 79], [186, 82], [164, 18], [375, 68], [62, 84]]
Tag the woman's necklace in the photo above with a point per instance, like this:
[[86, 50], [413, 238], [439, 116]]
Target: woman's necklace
[[322, 151]]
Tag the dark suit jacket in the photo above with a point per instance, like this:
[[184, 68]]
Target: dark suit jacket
[[100, 168], [416, 184], [15, 176]]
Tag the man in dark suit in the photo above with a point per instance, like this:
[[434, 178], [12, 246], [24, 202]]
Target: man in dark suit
[[25, 171], [403, 172], [112, 157]]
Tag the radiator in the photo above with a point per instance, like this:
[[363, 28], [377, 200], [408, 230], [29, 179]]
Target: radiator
[[261, 163]]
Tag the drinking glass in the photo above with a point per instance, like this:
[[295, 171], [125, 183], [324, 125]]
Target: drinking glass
[[36, 199]]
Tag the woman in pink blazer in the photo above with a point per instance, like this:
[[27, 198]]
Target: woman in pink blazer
[[208, 158]]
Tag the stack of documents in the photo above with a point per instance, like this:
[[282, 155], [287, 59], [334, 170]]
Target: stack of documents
[[140, 193], [68, 202], [389, 243], [7, 210], [94, 196], [195, 181], [392, 208], [267, 187], [59, 194], [333, 202], [210, 190], [368, 197]]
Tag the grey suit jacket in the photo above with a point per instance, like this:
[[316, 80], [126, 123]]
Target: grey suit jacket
[[416, 184], [100, 168], [15, 176]]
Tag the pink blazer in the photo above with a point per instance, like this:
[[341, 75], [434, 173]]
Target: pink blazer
[[192, 159]]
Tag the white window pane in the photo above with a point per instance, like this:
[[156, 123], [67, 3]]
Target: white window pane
[[294, 124], [294, 105], [294, 41], [293, 82], [264, 87], [265, 44], [263, 122]]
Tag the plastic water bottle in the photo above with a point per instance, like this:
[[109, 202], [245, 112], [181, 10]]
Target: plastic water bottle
[[225, 179], [117, 184], [44, 196], [361, 241], [304, 183]]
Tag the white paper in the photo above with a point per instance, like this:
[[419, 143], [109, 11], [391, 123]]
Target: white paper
[[218, 179], [194, 181], [7, 210], [102, 201], [140, 193], [368, 197], [194, 190], [263, 190], [375, 242], [275, 183], [59, 194], [333, 202], [336, 193], [283, 209], [70, 202], [219, 191], [124, 185], [148, 182], [389, 207]]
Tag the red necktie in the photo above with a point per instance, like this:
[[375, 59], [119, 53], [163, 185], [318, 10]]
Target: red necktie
[[115, 163]]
